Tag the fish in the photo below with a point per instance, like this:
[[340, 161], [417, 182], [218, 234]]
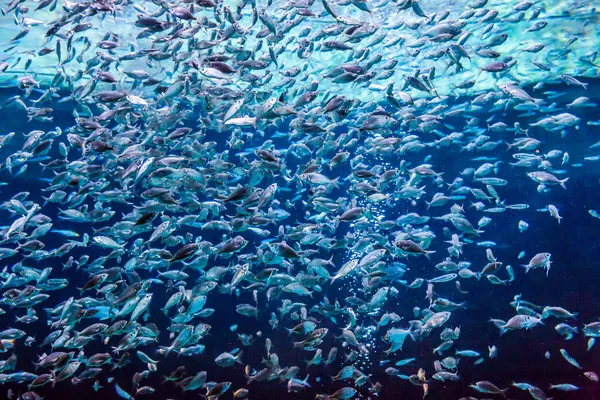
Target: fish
[[570, 359], [183, 178]]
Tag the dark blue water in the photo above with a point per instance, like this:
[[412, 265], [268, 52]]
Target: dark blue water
[[573, 281]]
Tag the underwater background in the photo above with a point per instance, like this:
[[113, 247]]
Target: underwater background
[[572, 282]]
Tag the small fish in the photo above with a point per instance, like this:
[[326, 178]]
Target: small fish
[[570, 359]]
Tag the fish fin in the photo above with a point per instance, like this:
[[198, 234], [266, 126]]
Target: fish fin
[[335, 182], [562, 183]]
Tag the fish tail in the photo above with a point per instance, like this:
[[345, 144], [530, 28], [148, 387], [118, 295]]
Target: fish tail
[[330, 261], [335, 182], [238, 359], [562, 183]]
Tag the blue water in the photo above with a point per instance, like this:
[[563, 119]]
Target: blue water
[[572, 282]]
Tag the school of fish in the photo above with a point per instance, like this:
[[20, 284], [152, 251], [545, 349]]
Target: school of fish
[[286, 157]]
